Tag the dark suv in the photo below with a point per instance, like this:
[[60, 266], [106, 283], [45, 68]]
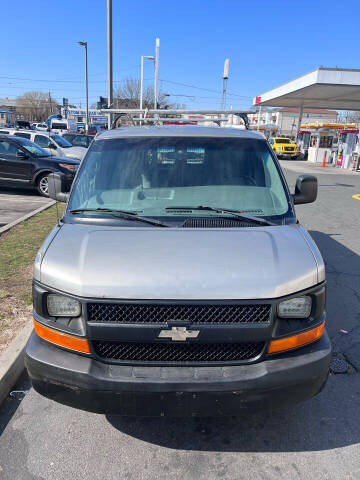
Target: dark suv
[[23, 163]]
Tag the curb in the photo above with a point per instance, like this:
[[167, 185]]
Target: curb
[[25, 217], [12, 361]]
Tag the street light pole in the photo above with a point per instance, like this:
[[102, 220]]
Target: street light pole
[[141, 82], [109, 59], [149, 57], [156, 76], [225, 79], [84, 44]]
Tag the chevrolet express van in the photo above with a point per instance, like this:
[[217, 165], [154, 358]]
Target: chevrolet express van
[[179, 280]]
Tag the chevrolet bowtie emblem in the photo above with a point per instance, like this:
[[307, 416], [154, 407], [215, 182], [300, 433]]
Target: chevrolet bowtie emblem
[[179, 334]]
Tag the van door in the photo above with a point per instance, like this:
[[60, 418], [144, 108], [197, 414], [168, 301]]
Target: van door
[[13, 168]]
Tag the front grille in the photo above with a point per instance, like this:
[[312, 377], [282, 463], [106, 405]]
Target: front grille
[[129, 313], [178, 352], [289, 149]]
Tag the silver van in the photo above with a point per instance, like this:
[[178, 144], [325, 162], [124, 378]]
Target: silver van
[[179, 280]]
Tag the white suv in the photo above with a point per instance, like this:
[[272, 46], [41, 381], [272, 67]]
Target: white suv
[[51, 142]]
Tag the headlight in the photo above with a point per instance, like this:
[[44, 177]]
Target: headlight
[[60, 306], [298, 307], [68, 166]]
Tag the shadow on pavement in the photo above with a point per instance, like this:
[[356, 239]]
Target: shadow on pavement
[[322, 423], [329, 420], [30, 191], [10, 405]]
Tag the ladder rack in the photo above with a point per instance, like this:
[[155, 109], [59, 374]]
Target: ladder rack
[[157, 115]]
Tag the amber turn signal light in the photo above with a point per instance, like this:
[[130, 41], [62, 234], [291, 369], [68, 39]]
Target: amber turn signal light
[[62, 339], [298, 340]]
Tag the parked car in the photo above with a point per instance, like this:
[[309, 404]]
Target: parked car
[[24, 124], [93, 129], [78, 140], [54, 144], [179, 280], [284, 147], [42, 127], [23, 163]]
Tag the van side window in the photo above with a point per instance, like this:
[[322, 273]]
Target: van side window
[[23, 135], [42, 141]]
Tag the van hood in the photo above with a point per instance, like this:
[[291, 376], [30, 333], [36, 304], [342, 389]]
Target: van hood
[[74, 152], [158, 263]]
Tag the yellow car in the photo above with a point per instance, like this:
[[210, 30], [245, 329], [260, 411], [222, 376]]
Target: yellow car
[[284, 147]]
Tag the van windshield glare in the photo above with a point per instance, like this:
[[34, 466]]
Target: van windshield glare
[[61, 141], [150, 174]]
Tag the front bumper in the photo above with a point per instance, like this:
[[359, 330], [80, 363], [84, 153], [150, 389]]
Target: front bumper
[[88, 384], [287, 154]]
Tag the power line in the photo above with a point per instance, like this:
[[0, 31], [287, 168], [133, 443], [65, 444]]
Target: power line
[[202, 88], [62, 80]]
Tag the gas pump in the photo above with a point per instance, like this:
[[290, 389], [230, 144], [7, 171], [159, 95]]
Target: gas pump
[[320, 147], [347, 141], [303, 141]]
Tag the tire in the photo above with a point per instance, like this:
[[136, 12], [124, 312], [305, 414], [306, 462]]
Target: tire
[[42, 184]]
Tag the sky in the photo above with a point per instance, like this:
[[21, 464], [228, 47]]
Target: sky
[[268, 43]]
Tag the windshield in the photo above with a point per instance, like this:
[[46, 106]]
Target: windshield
[[61, 141], [283, 140], [34, 149], [149, 175]]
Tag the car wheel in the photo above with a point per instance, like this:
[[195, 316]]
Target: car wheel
[[43, 184]]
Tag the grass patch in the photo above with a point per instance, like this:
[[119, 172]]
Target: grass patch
[[18, 248], [19, 245]]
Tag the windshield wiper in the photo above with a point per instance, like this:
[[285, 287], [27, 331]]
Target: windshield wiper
[[121, 214], [236, 213]]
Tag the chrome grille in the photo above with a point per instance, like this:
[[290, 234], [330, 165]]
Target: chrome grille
[[130, 313]]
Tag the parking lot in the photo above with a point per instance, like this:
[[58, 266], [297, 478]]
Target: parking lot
[[317, 439], [15, 203]]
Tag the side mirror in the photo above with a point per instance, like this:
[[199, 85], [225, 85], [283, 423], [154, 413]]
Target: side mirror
[[57, 188], [22, 155], [305, 189], [52, 146]]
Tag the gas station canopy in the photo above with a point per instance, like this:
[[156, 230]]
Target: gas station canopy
[[337, 88]]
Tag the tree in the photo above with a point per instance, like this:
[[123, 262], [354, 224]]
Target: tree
[[127, 95], [36, 105]]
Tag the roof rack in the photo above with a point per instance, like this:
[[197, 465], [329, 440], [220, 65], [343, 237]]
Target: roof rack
[[157, 115]]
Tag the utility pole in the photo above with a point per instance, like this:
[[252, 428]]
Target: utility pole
[[50, 103], [84, 44], [225, 79], [156, 76], [109, 60]]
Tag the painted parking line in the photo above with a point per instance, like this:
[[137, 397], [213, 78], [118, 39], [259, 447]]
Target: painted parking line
[[357, 196]]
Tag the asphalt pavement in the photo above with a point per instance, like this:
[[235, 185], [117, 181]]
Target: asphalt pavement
[[15, 203], [319, 439]]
